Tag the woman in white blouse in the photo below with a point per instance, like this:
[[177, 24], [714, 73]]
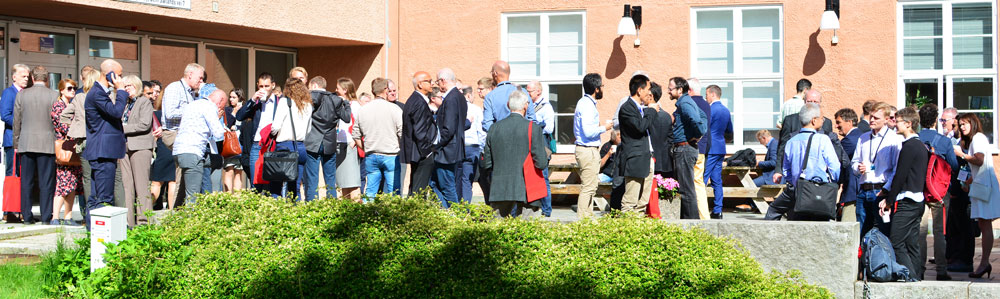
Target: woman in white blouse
[[981, 183], [295, 108]]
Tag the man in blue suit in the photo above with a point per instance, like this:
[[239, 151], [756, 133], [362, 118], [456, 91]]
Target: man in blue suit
[[451, 125], [19, 76], [720, 125], [846, 121], [769, 164], [105, 138]]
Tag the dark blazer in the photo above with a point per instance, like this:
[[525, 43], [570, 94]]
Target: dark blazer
[[662, 136], [504, 153], [105, 136], [720, 123], [769, 165], [847, 177], [139, 129], [863, 126], [452, 125], [419, 130], [634, 158], [705, 143], [910, 176], [328, 110], [790, 126], [33, 130]]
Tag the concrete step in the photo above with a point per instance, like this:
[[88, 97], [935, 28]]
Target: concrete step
[[928, 289], [17, 230]]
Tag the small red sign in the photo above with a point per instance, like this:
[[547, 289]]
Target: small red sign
[[99, 222]]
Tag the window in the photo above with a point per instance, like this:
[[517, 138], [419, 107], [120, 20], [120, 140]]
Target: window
[[114, 48], [549, 47], [167, 60], [948, 57], [227, 67], [47, 42], [740, 50], [276, 63]]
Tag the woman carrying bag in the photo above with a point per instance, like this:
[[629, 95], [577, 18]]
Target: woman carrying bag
[[980, 181], [292, 120]]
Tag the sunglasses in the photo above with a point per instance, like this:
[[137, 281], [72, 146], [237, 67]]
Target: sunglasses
[[70, 88]]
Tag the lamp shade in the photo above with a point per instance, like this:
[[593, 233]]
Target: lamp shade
[[829, 21], [626, 26]]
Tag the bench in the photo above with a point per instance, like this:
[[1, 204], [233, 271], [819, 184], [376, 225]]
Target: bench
[[761, 196]]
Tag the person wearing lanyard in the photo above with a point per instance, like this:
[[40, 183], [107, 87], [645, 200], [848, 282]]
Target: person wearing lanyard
[[544, 116], [875, 163]]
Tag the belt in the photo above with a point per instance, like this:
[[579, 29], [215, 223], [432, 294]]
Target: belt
[[871, 186], [685, 143]]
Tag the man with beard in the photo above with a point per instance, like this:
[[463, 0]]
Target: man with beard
[[587, 129]]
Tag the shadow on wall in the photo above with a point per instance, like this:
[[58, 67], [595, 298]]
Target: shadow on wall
[[616, 62], [335, 62], [815, 56]]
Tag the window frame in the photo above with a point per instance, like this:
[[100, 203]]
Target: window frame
[[947, 74], [543, 74], [739, 76]]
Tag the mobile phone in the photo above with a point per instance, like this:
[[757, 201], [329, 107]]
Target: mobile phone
[[110, 77]]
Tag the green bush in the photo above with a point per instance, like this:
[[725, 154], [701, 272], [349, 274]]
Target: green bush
[[251, 246], [66, 266]]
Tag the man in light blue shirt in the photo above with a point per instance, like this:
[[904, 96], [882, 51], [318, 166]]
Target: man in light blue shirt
[[823, 163], [545, 117], [495, 103], [196, 137], [874, 163], [587, 130]]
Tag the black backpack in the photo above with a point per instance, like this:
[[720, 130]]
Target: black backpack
[[743, 157]]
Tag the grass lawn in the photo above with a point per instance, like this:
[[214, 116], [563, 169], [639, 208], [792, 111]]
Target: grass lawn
[[21, 281]]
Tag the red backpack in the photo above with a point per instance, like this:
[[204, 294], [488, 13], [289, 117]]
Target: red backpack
[[938, 175]]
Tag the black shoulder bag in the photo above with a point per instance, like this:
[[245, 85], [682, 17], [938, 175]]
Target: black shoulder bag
[[282, 165], [814, 199]]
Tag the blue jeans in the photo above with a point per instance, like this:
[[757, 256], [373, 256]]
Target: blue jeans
[[866, 209], [311, 179], [279, 189], [8, 159], [547, 200], [444, 180], [713, 173], [379, 168], [254, 155], [467, 172]]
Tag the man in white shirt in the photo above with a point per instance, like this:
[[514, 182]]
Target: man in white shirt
[[874, 163], [793, 105], [474, 138], [196, 138], [260, 111]]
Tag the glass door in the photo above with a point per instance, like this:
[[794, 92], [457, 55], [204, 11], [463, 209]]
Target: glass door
[[923, 90]]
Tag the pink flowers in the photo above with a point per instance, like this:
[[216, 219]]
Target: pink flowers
[[667, 187]]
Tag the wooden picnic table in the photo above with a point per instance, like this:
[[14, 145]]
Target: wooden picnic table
[[761, 196]]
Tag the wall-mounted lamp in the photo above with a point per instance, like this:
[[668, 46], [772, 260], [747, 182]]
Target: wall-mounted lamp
[[831, 19], [630, 22]]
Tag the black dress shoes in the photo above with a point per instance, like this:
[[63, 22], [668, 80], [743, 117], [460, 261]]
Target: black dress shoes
[[716, 216]]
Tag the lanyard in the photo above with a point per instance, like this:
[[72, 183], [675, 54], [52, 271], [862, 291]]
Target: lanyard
[[503, 83], [875, 154]]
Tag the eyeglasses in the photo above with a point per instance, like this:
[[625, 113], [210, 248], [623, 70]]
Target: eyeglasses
[[70, 88], [944, 120]]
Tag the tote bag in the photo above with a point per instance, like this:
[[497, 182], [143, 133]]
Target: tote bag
[[283, 166], [534, 181], [12, 191]]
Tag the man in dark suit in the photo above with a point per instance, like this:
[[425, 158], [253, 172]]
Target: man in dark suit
[[661, 136], [33, 139], [419, 133], [767, 167], [636, 118], [791, 126], [250, 113], [321, 141], [451, 137], [866, 109], [846, 119], [105, 136], [504, 154]]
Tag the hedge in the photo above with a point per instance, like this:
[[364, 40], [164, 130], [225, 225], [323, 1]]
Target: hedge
[[246, 245]]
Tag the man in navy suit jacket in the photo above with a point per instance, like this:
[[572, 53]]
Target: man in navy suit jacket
[[419, 133], [846, 120], [720, 125], [105, 137], [768, 166], [451, 142]]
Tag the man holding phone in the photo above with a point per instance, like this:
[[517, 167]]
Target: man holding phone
[[105, 138]]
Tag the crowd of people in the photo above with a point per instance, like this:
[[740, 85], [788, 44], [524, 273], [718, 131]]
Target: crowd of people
[[118, 141]]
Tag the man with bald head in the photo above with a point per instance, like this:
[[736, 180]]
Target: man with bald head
[[419, 133], [450, 147], [104, 105], [495, 109], [196, 139], [791, 126]]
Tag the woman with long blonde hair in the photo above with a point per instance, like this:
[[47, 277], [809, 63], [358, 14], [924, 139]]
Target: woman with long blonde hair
[[137, 124], [292, 119]]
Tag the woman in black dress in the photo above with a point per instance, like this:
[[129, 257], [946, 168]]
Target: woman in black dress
[[162, 172]]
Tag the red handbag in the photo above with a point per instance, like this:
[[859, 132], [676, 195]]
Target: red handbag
[[653, 208], [12, 190], [534, 181]]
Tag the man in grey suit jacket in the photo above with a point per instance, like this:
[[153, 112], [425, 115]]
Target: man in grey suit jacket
[[36, 148], [504, 154]]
